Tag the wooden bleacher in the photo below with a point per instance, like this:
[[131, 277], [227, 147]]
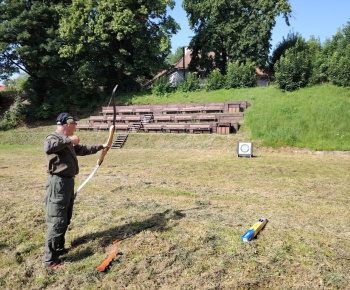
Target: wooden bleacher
[[202, 118]]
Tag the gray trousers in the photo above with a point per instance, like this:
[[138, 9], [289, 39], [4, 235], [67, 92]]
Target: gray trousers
[[59, 202]]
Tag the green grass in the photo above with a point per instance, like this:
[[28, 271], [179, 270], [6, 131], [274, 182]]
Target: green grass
[[180, 214], [316, 118]]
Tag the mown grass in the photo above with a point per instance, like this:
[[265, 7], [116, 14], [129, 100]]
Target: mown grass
[[180, 214], [180, 203]]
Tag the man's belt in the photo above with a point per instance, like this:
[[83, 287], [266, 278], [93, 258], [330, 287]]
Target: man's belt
[[61, 176]]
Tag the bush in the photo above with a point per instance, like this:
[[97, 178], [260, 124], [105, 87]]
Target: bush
[[339, 70], [339, 61], [161, 87], [214, 81], [281, 48], [190, 83], [294, 70], [240, 75], [13, 117]]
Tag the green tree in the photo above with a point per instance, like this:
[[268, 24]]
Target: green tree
[[215, 80], [339, 60], [294, 69], [17, 84], [72, 48], [116, 41], [174, 58], [190, 83], [238, 30], [281, 48], [29, 43], [240, 75]]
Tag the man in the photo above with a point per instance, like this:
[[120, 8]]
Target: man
[[62, 148]]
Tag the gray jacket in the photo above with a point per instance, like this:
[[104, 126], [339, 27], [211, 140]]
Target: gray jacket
[[61, 155]]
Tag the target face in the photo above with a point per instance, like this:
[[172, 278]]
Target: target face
[[245, 149]]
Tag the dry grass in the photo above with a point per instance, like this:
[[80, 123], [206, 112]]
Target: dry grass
[[180, 214]]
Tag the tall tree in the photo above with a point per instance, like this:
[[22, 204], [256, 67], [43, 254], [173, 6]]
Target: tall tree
[[339, 60], [281, 48], [117, 40], [70, 48], [29, 42], [239, 30]]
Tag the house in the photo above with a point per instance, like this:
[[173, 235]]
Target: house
[[262, 78], [180, 69], [2, 88]]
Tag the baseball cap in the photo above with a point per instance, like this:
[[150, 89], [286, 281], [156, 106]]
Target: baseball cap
[[65, 118]]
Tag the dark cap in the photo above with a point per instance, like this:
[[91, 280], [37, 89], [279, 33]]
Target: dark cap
[[65, 118]]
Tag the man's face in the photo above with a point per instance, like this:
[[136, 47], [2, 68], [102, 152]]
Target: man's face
[[71, 128]]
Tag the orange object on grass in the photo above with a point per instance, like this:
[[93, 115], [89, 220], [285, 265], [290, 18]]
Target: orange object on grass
[[106, 262]]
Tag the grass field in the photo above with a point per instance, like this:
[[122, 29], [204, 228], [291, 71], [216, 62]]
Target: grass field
[[180, 204]]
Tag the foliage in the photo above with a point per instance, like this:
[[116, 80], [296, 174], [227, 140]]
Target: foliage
[[235, 30], [174, 58], [116, 41], [13, 117], [161, 87], [215, 80], [319, 71], [29, 42], [309, 63], [190, 83], [294, 69], [339, 62], [281, 48], [18, 83], [240, 75], [74, 51]]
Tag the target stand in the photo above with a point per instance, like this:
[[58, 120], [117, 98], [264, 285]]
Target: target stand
[[245, 149]]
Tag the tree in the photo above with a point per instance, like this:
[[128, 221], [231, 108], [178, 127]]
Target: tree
[[116, 41], [240, 75], [174, 58], [29, 43], [72, 48], [17, 84], [339, 60], [294, 69], [281, 48], [238, 30]]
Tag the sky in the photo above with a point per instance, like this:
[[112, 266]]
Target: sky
[[319, 18]]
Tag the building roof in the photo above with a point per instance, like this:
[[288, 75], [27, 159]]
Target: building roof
[[259, 72]]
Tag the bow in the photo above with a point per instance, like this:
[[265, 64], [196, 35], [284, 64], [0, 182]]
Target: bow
[[104, 151]]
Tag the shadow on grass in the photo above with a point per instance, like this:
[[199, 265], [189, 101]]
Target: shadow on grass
[[157, 222]]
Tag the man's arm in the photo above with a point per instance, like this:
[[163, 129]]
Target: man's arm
[[54, 143], [82, 150]]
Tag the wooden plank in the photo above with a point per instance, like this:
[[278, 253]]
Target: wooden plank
[[161, 118], [183, 118], [81, 127]]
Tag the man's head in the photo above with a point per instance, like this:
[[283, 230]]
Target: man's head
[[66, 123]]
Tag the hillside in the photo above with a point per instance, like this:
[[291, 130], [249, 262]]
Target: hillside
[[315, 118]]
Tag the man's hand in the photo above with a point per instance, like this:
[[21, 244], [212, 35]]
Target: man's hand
[[105, 146], [74, 139]]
